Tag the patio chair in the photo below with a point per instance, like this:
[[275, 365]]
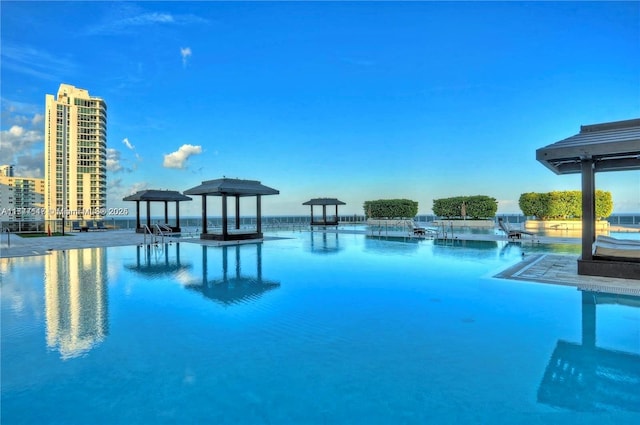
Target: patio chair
[[75, 226], [91, 225], [100, 226], [416, 230], [512, 233]]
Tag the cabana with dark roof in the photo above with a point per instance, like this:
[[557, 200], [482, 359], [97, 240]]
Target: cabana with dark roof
[[612, 146], [236, 188], [324, 202], [165, 196]]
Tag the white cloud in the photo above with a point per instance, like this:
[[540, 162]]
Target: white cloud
[[137, 187], [36, 63], [37, 119], [126, 17], [23, 149], [113, 160], [179, 158], [185, 52], [128, 144]]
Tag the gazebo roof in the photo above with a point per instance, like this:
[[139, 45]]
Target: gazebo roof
[[157, 195], [324, 201], [614, 146], [227, 186]]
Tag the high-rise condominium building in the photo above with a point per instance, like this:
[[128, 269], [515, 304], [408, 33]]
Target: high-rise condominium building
[[6, 170], [75, 155], [21, 198]]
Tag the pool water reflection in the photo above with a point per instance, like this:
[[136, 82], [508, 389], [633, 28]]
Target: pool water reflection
[[314, 328]]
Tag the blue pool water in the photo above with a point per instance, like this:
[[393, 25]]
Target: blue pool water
[[310, 329]]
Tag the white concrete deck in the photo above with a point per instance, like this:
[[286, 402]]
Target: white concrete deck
[[545, 268]]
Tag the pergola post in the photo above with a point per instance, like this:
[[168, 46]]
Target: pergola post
[[311, 215], [237, 212], [588, 208], [225, 232], [204, 214], [166, 212], [324, 214], [138, 214], [258, 214], [178, 214], [149, 214]]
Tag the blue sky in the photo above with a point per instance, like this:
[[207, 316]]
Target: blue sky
[[359, 101]]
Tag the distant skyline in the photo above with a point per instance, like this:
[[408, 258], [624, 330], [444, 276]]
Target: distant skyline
[[352, 100]]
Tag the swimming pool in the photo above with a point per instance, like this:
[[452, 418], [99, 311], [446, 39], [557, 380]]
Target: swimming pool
[[310, 328]]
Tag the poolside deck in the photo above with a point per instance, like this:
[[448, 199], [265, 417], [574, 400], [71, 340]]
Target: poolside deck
[[23, 247], [543, 268]]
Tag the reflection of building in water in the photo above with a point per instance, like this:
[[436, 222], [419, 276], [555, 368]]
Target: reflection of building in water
[[323, 243], [158, 260], [235, 286], [585, 377], [76, 300]]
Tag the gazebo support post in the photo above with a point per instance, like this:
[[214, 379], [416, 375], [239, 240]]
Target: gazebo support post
[[311, 216], [138, 214], [237, 212], [149, 215], [588, 208], [166, 212], [324, 214], [178, 214], [225, 220], [204, 214], [258, 215]]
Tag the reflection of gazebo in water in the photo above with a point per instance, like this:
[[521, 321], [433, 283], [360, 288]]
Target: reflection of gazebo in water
[[332, 220], [233, 287], [324, 243], [585, 377], [157, 260], [165, 196], [237, 189]]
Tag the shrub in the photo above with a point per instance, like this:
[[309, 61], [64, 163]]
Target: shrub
[[562, 205], [390, 208], [479, 206]]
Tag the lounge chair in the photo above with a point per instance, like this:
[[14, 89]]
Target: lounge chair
[[100, 226], [416, 230], [606, 247], [512, 233], [91, 225], [75, 226]]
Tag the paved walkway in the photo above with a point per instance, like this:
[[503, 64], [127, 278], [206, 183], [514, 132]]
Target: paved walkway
[[545, 268], [563, 270], [16, 246]]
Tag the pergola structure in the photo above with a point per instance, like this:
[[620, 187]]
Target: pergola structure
[[165, 196], [237, 189], [612, 146], [324, 202]]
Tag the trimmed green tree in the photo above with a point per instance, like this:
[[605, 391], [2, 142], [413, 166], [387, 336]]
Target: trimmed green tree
[[390, 208], [562, 205], [475, 207]]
